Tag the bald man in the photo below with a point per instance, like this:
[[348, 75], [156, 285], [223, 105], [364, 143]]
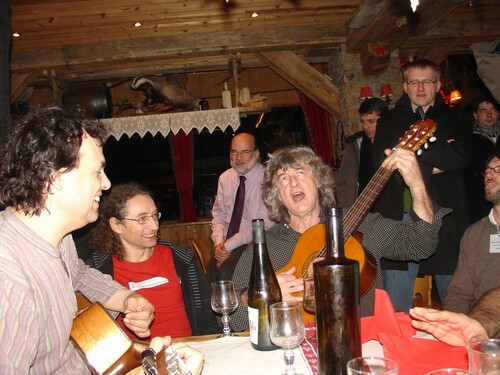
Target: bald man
[[244, 158]]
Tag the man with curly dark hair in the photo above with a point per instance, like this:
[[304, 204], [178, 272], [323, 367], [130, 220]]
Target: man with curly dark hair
[[126, 246], [51, 181]]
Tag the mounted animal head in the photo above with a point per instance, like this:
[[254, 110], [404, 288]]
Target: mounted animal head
[[156, 92]]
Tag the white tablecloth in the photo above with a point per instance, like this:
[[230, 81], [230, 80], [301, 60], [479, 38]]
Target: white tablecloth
[[235, 356]]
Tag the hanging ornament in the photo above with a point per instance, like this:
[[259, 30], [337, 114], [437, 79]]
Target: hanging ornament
[[414, 4]]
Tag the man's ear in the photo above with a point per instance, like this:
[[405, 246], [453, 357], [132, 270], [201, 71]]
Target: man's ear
[[114, 223], [57, 179]]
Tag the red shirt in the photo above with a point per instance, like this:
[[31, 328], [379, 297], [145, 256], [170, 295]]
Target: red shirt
[[160, 284]]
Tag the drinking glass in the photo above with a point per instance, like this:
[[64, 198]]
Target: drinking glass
[[309, 299], [372, 365], [224, 302], [287, 330], [450, 371], [484, 356]]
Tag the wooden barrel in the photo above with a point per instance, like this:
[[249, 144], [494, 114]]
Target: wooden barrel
[[96, 100]]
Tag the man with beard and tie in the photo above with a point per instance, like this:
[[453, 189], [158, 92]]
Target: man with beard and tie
[[238, 202]]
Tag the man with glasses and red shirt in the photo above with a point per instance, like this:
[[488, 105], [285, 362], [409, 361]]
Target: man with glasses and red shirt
[[442, 165], [125, 245], [238, 202]]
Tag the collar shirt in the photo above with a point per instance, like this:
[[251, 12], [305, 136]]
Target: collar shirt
[[38, 303], [254, 207]]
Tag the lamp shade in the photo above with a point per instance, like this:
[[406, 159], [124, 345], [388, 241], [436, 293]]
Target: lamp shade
[[365, 93], [386, 90], [455, 95]]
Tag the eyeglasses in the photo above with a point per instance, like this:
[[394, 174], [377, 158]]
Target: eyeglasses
[[243, 153], [496, 170], [425, 82], [143, 220]]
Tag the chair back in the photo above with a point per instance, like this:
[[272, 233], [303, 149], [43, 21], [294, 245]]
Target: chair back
[[203, 251]]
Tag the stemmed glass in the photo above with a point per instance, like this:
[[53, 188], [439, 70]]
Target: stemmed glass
[[287, 330], [310, 300], [224, 302]]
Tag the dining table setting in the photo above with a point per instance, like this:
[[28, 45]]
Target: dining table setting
[[385, 334]]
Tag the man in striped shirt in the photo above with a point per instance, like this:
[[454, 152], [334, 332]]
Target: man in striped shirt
[[51, 180]]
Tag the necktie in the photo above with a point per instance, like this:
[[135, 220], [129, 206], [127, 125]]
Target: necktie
[[239, 202], [420, 113]]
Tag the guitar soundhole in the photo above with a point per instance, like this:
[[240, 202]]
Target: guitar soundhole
[[307, 262]]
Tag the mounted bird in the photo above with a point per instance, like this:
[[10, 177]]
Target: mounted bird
[[173, 96]]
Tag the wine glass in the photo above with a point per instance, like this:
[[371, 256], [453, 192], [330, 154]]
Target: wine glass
[[224, 302], [287, 330], [310, 301]]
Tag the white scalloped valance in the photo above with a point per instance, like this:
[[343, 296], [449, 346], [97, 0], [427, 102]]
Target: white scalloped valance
[[173, 122]]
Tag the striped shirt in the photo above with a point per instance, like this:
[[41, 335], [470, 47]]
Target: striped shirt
[[37, 300], [413, 240]]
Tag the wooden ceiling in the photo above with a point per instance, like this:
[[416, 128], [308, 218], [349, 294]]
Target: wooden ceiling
[[82, 40]]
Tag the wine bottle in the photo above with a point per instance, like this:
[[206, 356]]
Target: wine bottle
[[263, 291], [226, 97], [336, 282]]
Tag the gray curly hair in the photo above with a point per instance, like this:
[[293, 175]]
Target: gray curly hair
[[294, 157]]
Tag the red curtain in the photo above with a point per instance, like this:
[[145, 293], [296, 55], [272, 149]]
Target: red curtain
[[181, 148], [317, 122]]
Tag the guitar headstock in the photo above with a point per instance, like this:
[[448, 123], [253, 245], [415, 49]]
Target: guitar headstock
[[417, 135]]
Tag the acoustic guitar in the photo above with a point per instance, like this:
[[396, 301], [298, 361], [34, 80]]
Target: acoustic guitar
[[107, 350], [312, 243]]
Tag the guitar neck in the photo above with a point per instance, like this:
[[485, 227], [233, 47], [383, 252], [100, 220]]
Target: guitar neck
[[365, 201]]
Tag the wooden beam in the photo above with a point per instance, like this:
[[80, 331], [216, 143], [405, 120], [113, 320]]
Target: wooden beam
[[305, 78], [185, 46], [438, 53], [390, 23]]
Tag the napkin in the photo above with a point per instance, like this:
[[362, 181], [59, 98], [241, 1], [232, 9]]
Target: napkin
[[385, 320], [415, 356]]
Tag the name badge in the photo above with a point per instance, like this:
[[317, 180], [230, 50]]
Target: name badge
[[495, 243]]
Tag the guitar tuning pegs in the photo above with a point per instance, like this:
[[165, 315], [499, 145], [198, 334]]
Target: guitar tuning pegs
[[426, 145], [419, 152], [432, 139]]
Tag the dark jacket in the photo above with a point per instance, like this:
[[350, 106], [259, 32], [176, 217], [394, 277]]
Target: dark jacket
[[482, 148], [446, 189], [194, 285]]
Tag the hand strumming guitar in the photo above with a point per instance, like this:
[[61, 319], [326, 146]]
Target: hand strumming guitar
[[289, 284]]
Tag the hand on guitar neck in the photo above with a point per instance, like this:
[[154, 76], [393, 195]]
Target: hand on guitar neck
[[311, 244]]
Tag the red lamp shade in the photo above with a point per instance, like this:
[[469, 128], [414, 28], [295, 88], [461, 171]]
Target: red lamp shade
[[455, 95], [365, 93], [386, 90]]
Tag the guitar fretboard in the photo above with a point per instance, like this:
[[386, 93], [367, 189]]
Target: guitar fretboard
[[365, 201]]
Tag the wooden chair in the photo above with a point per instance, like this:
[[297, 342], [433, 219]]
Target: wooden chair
[[422, 291], [204, 253]]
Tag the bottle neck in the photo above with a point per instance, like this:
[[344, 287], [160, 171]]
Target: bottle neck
[[334, 233]]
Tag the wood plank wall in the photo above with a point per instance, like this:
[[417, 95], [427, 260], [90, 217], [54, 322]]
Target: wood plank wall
[[183, 233]]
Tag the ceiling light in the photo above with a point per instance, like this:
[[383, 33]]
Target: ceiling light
[[414, 4], [255, 14], [16, 35], [138, 24]]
